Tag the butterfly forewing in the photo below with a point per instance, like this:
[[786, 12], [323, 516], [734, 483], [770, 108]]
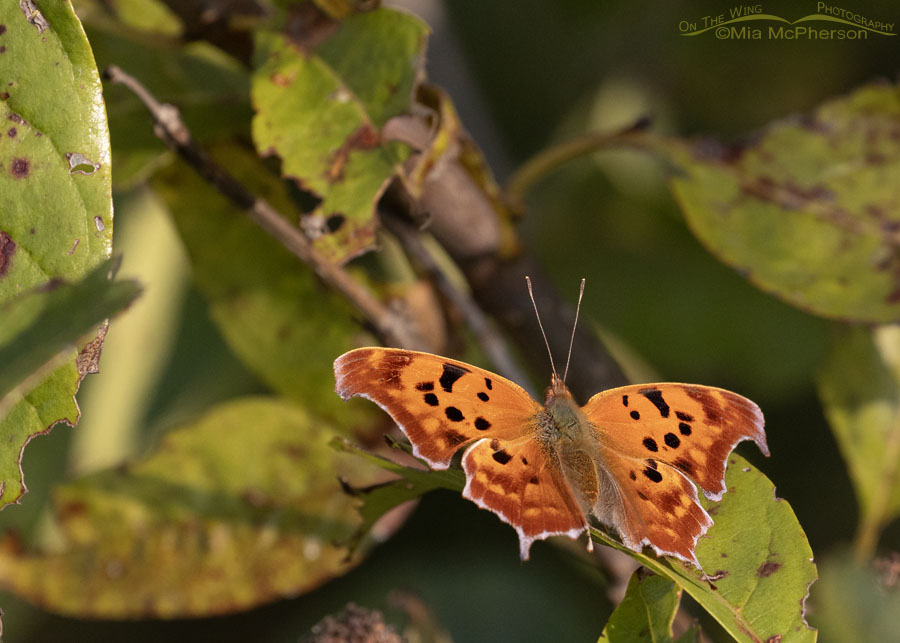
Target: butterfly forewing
[[441, 404], [693, 428]]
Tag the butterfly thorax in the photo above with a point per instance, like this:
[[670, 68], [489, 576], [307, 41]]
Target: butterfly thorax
[[563, 429]]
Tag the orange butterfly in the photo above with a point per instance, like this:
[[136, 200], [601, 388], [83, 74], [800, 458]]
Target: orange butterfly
[[626, 457]]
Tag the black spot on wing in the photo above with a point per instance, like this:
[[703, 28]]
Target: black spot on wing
[[631, 475], [481, 424], [624, 400], [684, 417], [501, 456], [431, 399], [672, 440], [533, 480], [451, 373], [488, 383], [635, 415], [652, 474], [425, 386], [454, 414], [656, 398], [684, 428], [650, 444], [642, 496], [483, 396]]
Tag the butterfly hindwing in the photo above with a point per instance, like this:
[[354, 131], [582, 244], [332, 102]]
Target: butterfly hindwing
[[441, 404], [692, 428], [659, 506], [520, 483]]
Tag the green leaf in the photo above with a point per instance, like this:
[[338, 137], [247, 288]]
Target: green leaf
[[48, 322], [757, 557], [856, 603], [860, 389], [808, 210], [321, 110], [269, 306], [239, 508], [380, 498], [646, 612], [55, 204]]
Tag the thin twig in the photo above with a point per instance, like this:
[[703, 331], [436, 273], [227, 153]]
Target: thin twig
[[547, 160], [491, 342], [392, 328]]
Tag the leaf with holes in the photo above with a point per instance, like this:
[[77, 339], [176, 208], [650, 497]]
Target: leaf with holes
[[321, 107], [55, 204], [809, 210], [860, 389], [239, 508]]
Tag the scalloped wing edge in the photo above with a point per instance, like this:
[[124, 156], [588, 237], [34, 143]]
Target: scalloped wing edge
[[759, 439], [704, 527], [525, 541]]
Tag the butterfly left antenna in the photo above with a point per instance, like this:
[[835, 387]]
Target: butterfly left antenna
[[574, 326], [540, 325]]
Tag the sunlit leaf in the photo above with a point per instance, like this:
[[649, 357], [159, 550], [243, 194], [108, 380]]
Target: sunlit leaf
[[55, 205], [321, 107]]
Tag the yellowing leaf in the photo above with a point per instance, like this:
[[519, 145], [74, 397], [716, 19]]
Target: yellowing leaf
[[808, 211], [239, 508]]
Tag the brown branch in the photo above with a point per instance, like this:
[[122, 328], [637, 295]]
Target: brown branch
[[491, 342], [392, 328]]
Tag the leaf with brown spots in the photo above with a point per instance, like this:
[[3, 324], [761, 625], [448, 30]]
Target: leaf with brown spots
[[321, 107], [51, 106], [808, 210], [218, 519]]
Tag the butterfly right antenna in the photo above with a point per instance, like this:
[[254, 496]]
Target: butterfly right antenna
[[574, 326]]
